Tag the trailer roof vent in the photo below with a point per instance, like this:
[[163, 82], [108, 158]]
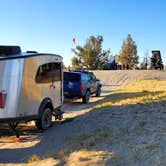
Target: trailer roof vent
[[31, 52], [9, 50]]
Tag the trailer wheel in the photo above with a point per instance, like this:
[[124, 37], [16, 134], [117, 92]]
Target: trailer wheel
[[85, 99], [45, 120]]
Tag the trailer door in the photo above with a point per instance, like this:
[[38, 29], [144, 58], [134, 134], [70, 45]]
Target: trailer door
[[56, 83], [50, 74]]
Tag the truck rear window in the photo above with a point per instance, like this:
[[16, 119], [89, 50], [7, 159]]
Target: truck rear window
[[71, 76]]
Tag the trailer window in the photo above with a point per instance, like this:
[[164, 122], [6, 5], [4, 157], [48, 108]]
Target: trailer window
[[49, 72]]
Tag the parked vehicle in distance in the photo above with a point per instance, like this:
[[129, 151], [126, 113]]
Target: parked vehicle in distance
[[81, 84], [30, 87]]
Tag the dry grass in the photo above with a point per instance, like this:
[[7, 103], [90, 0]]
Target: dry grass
[[91, 140], [33, 159], [144, 91], [81, 144], [87, 158]]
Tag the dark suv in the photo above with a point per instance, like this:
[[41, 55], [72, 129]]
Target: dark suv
[[81, 84]]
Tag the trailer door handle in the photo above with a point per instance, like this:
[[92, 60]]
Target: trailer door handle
[[52, 84]]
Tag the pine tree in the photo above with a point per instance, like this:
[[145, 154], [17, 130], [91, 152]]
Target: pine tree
[[128, 57]]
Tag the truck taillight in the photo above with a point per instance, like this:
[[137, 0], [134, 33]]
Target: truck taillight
[[80, 87], [3, 96]]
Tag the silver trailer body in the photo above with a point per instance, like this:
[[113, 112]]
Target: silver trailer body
[[26, 80]]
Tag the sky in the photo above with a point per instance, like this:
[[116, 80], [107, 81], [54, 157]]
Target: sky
[[50, 25]]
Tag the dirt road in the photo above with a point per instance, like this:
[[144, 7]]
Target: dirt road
[[53, 140]]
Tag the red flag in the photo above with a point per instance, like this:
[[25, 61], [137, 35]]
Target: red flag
[[74, 41]]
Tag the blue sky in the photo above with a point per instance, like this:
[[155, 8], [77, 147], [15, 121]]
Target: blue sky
[[50, 25]]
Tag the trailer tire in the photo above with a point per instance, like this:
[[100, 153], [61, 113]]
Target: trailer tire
[[45, 120]]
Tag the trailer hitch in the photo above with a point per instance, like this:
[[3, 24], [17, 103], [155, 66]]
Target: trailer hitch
[[58, 114], [12, 127]]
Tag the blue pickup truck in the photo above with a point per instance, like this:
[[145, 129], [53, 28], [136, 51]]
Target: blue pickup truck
[[81, 84]]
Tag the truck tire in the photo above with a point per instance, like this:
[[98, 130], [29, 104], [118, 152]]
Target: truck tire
[[98, 93], [85, 99], [45, 120]]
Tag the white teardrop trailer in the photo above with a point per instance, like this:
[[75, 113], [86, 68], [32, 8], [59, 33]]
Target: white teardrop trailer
[[30, 87]]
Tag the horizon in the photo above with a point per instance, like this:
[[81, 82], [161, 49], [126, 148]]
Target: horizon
[[50, 26]]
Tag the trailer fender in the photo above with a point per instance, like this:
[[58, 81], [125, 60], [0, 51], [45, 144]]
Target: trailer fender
[[46, 103]]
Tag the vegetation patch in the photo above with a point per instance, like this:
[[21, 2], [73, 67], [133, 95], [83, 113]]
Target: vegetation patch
[[151, 146], [84, 142], [139, 92], [139, 128]]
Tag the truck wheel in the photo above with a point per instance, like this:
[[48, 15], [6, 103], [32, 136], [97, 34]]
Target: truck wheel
[[45, 121], [98, 93], [85, 99]]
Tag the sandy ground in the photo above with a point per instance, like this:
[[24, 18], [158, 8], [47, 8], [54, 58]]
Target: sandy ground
[[127, 144]]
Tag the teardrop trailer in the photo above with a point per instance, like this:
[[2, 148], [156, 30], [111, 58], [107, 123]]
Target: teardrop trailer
[[30, 87]]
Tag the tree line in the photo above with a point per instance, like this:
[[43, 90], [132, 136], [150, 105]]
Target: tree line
[[92, 56]]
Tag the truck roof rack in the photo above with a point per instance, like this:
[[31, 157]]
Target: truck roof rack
[[81, 71], [9, 50]]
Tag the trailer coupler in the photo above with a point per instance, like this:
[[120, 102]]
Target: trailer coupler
[[58, 114], [12, 126]]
